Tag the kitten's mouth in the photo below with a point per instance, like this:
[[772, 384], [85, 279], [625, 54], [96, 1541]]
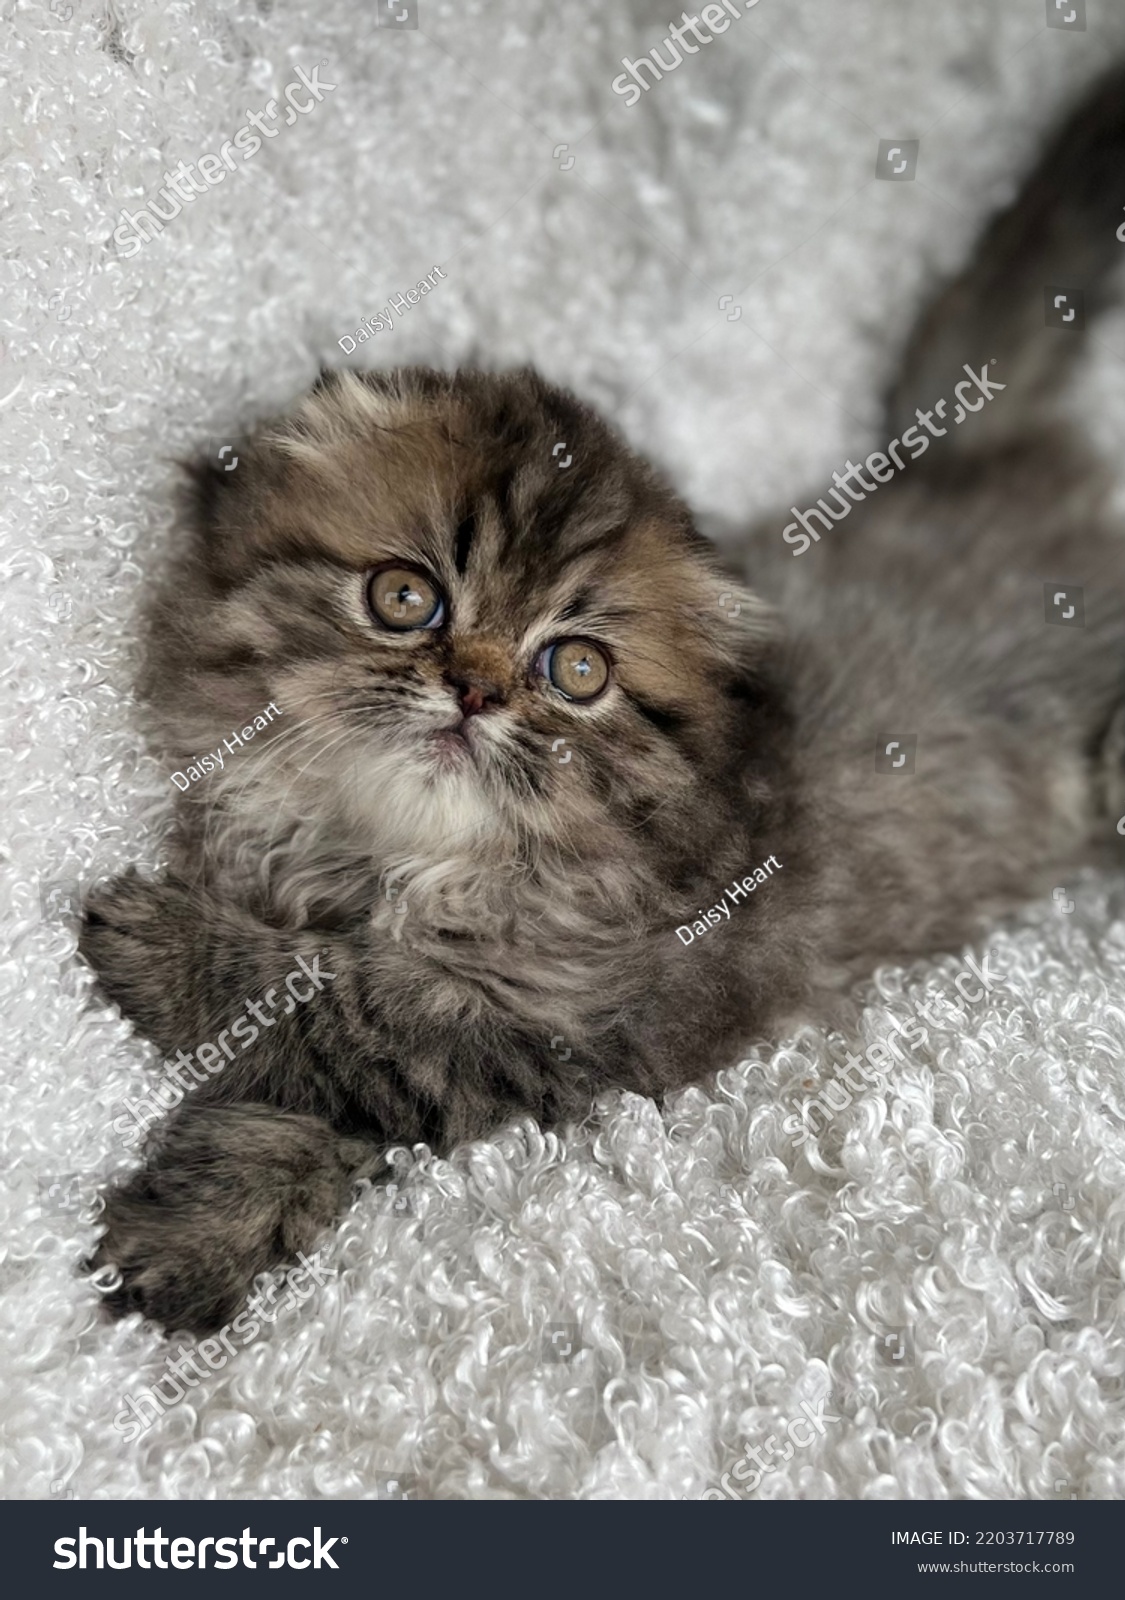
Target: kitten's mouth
[[453, 745]]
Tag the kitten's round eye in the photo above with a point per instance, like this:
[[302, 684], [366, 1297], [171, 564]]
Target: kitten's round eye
[[575, 667], [403, 598]]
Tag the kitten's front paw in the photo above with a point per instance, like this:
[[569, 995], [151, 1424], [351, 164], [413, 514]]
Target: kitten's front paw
[[165, 1273], [232, 1191], [135, 935]]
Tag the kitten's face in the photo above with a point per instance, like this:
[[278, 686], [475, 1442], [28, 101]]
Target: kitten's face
[[479, 640]]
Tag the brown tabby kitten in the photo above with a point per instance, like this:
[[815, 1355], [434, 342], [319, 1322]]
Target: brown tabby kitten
[[524, 727]]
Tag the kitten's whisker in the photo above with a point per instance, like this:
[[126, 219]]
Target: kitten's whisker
[[236, 787], [341, 714], [226, 804]]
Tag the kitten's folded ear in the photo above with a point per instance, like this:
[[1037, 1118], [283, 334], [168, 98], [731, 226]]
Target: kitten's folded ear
[[743, 616], [262, 495], [736, 615], [253, 496], [741, 626], [291, 487], [234, 500]]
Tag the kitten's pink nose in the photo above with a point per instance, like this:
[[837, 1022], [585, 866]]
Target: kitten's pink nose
[[474, 694]]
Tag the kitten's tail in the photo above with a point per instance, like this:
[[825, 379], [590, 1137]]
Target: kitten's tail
[[1041, 270]]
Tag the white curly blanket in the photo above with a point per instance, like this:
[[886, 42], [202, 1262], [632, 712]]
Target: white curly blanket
[[926, 1303]]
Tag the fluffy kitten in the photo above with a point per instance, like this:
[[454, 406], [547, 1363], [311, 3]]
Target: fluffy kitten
[[529, 727]]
